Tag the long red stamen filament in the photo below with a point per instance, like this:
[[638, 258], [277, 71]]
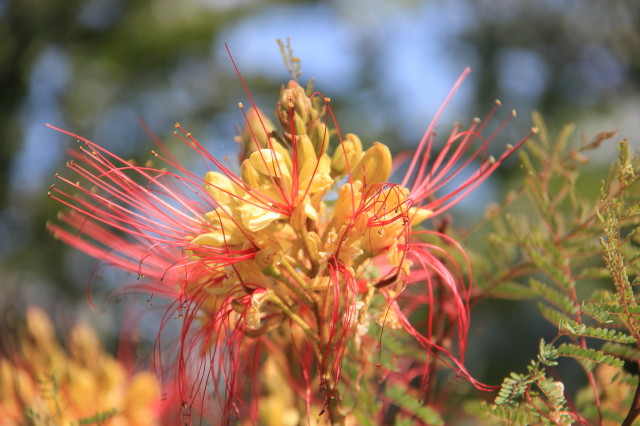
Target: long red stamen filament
[[429, 131]]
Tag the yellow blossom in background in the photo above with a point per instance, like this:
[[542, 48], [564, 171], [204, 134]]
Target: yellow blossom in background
[[43, 384]]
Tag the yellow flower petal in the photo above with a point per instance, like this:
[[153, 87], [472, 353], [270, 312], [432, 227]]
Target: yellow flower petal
[[271, 163], [221, 189], [255, 218], [419, 215]]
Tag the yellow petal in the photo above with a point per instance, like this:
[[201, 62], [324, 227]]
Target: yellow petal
[[250, 175], [419, 215], [141, 400], [221, 189], [225, 229], [255, 218], [305, 150], [270, 163], [312, 178], [211, 239], [348, 198], [84, 345], [301, 213]]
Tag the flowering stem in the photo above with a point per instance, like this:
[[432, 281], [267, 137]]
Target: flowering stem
[[297, 291], [298, 279], [335, 409], [315, 340], [290, 269]]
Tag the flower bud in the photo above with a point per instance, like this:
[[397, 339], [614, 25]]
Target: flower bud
[[294, 96], [306, 151], [84, 345], [40, 348], [351, 151], [320, 137], [255, 134], [302, 103], [375, 166], [267, 257], [300, 126]]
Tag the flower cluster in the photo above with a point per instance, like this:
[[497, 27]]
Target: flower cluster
[[297, 262], [40, 383]]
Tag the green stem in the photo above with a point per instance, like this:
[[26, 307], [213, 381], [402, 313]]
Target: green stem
[[299, 292], [314, 339]]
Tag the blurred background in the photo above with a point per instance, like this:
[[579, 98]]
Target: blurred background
[[98, 67]]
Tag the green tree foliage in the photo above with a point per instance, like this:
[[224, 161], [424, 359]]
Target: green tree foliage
[[579, 258]]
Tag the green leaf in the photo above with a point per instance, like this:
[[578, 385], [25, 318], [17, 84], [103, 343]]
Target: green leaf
[[612, 335], [512, 389], [512, 291], [493, 414], [622, 351], [411, 405], [552, 315], [556, 272], [594, 272], [554, 392], [553, 296], [619, 309], [588, 355], [547, 354], [595, 311]]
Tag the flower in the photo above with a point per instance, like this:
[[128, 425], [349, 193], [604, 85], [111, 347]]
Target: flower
[[40, 383], [304, 257]]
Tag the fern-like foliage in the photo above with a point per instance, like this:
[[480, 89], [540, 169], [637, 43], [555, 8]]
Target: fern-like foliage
[[588, 357], [579, 329], [410, 404], [530, 398], [567, 247], [559, 244]]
